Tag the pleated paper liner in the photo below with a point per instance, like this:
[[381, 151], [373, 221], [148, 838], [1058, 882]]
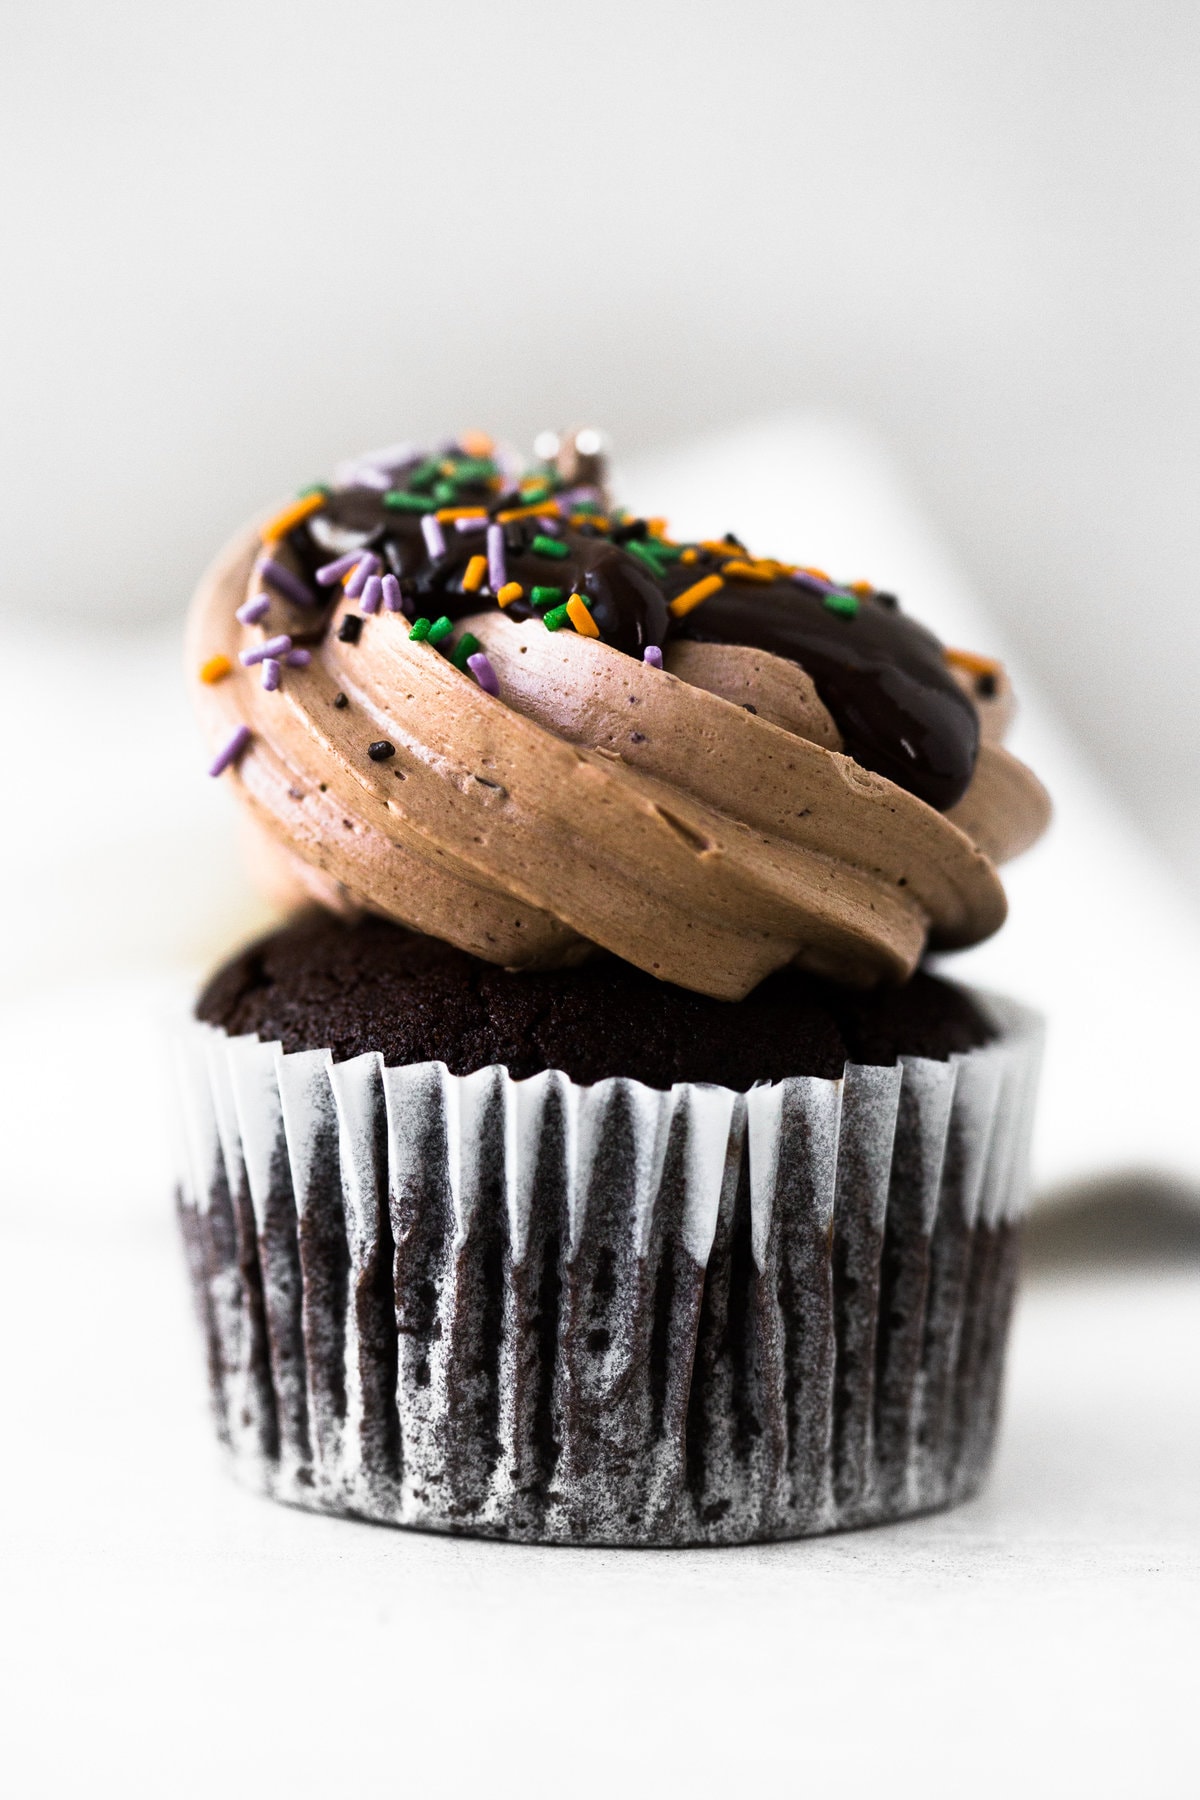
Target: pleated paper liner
[[607, 1314]]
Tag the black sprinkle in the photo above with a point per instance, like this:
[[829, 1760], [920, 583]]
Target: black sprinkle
[[888, 600], [746, 707], [985, 687], [380, 750], [340, 701], [350, 629]]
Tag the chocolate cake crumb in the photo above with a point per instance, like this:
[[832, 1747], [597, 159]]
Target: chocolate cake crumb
[[376, 986]]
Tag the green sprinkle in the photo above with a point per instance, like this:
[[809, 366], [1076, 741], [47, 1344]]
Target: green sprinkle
[[545, 596], [534, 495], [317, 487], [420, 630], [556, 619], [414, 503], [424, 475], [441, 628], [548, 546], [466, 646], [668, 552], [585, 506], [845, 605], [473, 468], [645, 555], [445, 493]]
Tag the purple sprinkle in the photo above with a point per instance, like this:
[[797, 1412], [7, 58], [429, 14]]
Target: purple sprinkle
[[468, 524], [328, 573], [652, 655], [497, 567], [393, 600], [435, 543], [372, 594], [368, 565], [231, 752], [367, 475], [272, 673], [298, 659], [285, 583], [550, 525], [803, 579], [276, 646], [483, 672], [251, 611]]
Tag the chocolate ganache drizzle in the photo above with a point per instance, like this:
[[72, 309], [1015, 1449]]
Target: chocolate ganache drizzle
[[882, 677]]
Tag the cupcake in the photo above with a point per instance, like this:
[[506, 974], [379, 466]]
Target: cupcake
[[589, 1158]]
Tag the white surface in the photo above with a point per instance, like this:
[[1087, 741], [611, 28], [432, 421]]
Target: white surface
[[164, 1633]]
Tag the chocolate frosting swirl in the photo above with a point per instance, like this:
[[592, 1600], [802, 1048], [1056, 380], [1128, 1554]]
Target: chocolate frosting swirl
[[786, 787]]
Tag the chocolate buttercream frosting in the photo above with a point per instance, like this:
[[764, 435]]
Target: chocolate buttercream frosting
[[500, 710]]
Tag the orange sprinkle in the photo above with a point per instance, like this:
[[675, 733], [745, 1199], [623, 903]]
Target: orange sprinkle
[[737, 570], [476, 443], [521, 512], [473, 575], [972, 664], [291, 515], [719, 548], [586, 518], [690, 597], [657, 527], [445, 515], [581, 618], [512, 590], [689, 556], [215, 669], [862, 587]]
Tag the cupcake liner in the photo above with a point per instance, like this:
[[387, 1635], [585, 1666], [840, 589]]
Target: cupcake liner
[[605, 1314]]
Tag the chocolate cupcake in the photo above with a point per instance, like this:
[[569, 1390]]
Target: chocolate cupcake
[[591, 1161]]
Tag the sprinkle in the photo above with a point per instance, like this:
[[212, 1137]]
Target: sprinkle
[[285, 583], [683, 603], [862, 588], [473, 574], [581, 618], [372, 594], [272, 673], [341, 702], [298, 659], [397, 501], [688, 556], [719, 547], [290, 517], [967, 661], [435, 542], [232, 750], [652, 655], [368, 565], [656, 527], [535, 492], [466, 646], [817, 575], [556, 619], [471, 522], [380, 750], [314, 487], [444, 493], [450, 515], [393, 599], [497, 567], [350, 629], [738, 570], [545, 596], [511, 590], [424, 473], [420, 631], [549, 524], [845, 605], [518, 512], [476, 443], [441, 628], [645, 555], [276, 646], [215, 669], [483, 672], [548, 546], [251, 611], [330, 572]]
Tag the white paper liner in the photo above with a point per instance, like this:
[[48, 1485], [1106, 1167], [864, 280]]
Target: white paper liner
[[605, 1314]]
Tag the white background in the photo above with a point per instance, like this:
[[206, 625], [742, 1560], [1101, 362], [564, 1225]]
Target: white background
[[246, 239]]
